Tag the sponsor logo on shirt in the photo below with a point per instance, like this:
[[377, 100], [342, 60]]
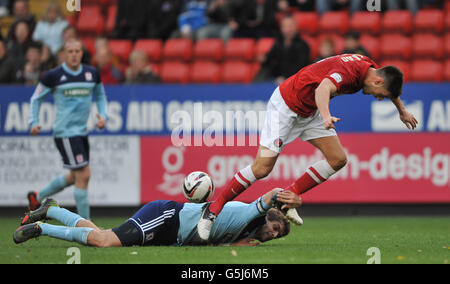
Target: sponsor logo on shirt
[[78, 92], [337, 77]]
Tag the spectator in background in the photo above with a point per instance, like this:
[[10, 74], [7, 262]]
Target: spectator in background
[[71, 33], [131, 19], [326, 49], [22, 14], [4, 11], [218, 22], [323, 6], [19, 44], [300, 5], [33, 69], [352, 44], [48, 60], [139, 71], [411, 5], [253, 18], [289, 54], [50, 28], [108, 72], [162, 18], [192, 19], [6, 65]]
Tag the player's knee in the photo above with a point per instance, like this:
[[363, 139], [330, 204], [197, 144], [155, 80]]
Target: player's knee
[[261, 171], [338, 162]]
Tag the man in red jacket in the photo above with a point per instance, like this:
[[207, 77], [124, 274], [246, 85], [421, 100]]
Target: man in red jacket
[[300, 108]]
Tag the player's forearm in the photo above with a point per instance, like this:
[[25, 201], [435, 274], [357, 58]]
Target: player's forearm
[[399, 105], [100, 100], [323, 102]]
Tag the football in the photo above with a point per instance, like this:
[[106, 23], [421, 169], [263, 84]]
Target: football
[[198, 187]]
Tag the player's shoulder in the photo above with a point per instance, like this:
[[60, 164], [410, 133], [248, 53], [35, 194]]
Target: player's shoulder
[[49, 79], [91, 71]]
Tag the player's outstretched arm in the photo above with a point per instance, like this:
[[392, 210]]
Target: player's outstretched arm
[[322, 96], [405, 116]]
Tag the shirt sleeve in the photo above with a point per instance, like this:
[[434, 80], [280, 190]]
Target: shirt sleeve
[[100, 100], [348, 73], [39, 95]]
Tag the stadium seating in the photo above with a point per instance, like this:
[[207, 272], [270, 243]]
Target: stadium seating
[[366, 22], [205, 72], [405, 66], [209, 49], [339, 42], [110, 18], [426, 71], [240, 49], [372, 45], [427, 46], [174, 72], [395, 46], [429, 21], [263, 46], [89, 44], [307, 22], [178, 49], [313, 46], [90, 21], [334, 22], [237, 72], [447, 70], [153, 48], [447, 45], [397, 22], [121, 49]]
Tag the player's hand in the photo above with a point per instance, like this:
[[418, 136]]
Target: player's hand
[[409, 120], [290, 199], [35, 130], [100, 122], [247, 242], [329, 122]]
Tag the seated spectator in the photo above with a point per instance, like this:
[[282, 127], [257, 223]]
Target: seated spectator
[[289, 54], [217, 26], [71, 33], [139, 71], [412, 5], [48, 60], [6, 65], [4, 11], [326, 49], [323, 6], [33, 69], [49, 30], [191, 19], [108, 72], [131, 19], [162, 18], [21, 11], [288, 6], [352, 44], [19, 44], [253, 18]]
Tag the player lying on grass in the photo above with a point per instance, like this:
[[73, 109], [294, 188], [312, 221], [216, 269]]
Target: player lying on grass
[[167, 223]]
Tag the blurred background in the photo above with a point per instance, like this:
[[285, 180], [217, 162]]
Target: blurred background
[[157, 57]]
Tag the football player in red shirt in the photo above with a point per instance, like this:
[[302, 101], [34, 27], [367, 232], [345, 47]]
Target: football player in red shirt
[[300, 108]]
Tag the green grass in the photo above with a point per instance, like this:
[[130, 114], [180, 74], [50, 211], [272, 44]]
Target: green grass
[[320, 240]]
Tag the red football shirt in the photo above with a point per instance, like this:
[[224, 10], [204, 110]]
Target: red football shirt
[[346, 71]]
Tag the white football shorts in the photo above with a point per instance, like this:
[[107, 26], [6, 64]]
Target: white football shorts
[[282, 125]]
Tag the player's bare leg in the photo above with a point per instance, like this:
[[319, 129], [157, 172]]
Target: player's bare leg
[[335, 159]]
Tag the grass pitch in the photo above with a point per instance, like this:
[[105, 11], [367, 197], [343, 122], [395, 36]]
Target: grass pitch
[[400, 240]]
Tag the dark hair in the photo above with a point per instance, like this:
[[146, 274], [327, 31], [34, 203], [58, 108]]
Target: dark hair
[[276, 215], [393, 80], [353, 34]]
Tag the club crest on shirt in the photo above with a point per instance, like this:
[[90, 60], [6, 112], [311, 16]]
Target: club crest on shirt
[[278, 142], [88, 76], [80, 158]]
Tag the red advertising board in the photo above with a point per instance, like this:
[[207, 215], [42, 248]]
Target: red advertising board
[[382, 168]]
